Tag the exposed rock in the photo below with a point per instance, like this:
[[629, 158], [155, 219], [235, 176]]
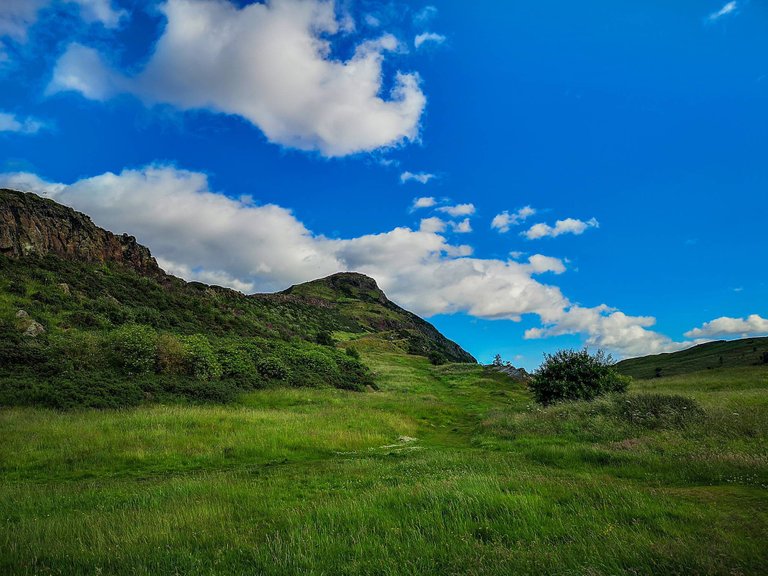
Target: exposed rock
[[64, 287], [34, 329], [34, 226], [520, 374], [21, 314]]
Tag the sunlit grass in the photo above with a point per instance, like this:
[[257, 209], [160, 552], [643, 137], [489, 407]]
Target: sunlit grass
[[444, 470]]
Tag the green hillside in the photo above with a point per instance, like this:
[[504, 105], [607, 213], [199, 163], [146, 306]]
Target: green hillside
[[721, 354], [87, 318]]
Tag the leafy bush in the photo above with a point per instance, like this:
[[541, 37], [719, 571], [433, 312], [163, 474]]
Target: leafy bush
[[171, 357], [575, 375], [272, 368], [324, 338], [133, 348], [236, 363], [436, 358], [200, 358], [353, 353]]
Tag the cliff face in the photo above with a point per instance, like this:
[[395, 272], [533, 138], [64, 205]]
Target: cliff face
[[31, 225]]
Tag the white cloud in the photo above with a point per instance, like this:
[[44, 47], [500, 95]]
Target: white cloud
[[433, 224], [752, 325], [271, 64], [203, 235], [423, 202], [729, 8], [463, 227], [425, 15], [427, 37], [12, 123], [458, 210], [502, 222], [420, 177], [17, 16], [567, 226]]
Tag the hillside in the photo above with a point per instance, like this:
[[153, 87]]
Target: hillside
[[720, 354], [77, 300]]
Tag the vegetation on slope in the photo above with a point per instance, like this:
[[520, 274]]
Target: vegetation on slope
[[444, 470], [721, 354]]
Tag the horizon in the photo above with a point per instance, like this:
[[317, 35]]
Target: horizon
[[550, 177]]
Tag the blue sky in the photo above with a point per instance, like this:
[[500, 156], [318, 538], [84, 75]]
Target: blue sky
[[261, 145]]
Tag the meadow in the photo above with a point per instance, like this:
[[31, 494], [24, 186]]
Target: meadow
[[443, 470]]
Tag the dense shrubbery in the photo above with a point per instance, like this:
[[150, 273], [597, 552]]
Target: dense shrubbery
[[575, 375], [114, 338]]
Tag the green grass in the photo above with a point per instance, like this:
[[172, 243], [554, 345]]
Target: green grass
[[709, 356], [444, 470]]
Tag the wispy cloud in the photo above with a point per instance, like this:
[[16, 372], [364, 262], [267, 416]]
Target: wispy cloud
[[425, 15], [12, 123], [420, 177], [502, 222], [567, 226], [425, 37], [729, 8]]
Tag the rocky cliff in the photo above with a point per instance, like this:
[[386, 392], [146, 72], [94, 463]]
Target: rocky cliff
[[34, 226]]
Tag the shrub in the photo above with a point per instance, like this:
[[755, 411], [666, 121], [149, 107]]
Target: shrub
[[272, 368], [133, 348], [324, 338], [200, 358], [235, 362], [436, 358], [171, 357], [575, 375], [353, 353]]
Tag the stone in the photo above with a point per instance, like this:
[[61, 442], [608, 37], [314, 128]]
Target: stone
[[34, 329]]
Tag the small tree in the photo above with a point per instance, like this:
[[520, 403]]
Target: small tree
[[576, 375], [324, 338], [497, 361]]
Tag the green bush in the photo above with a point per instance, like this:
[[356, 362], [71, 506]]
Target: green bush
[[236, 362], [324, 338], [171, 357], [353, 353], [575, 375], [200, 358], [272, 368], [133, 348]]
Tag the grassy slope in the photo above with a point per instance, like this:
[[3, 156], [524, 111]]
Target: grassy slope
[[321, 482], [722, 354]]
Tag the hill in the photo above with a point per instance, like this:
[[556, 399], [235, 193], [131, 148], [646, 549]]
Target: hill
[[78, 303], [720, 354]]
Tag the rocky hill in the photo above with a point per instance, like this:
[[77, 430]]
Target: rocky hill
[[70, 291], [34, 226]]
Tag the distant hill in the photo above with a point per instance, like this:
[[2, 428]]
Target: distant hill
[[745, 352], [76, 302]]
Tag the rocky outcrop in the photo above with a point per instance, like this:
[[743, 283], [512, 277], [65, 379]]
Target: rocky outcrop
[[519, 374], [34, 226]]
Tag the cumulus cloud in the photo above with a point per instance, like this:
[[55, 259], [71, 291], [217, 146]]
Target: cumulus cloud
[[752, 325], [203, 235], [271, 64], [463, 227], [423, 202], [433, 224], [12, 123], [729, 8], [428, 37], [420, 177], [567, 226], [503, 221], [458, 210]]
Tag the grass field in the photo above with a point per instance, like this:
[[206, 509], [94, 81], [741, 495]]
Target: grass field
[[444, 470]]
